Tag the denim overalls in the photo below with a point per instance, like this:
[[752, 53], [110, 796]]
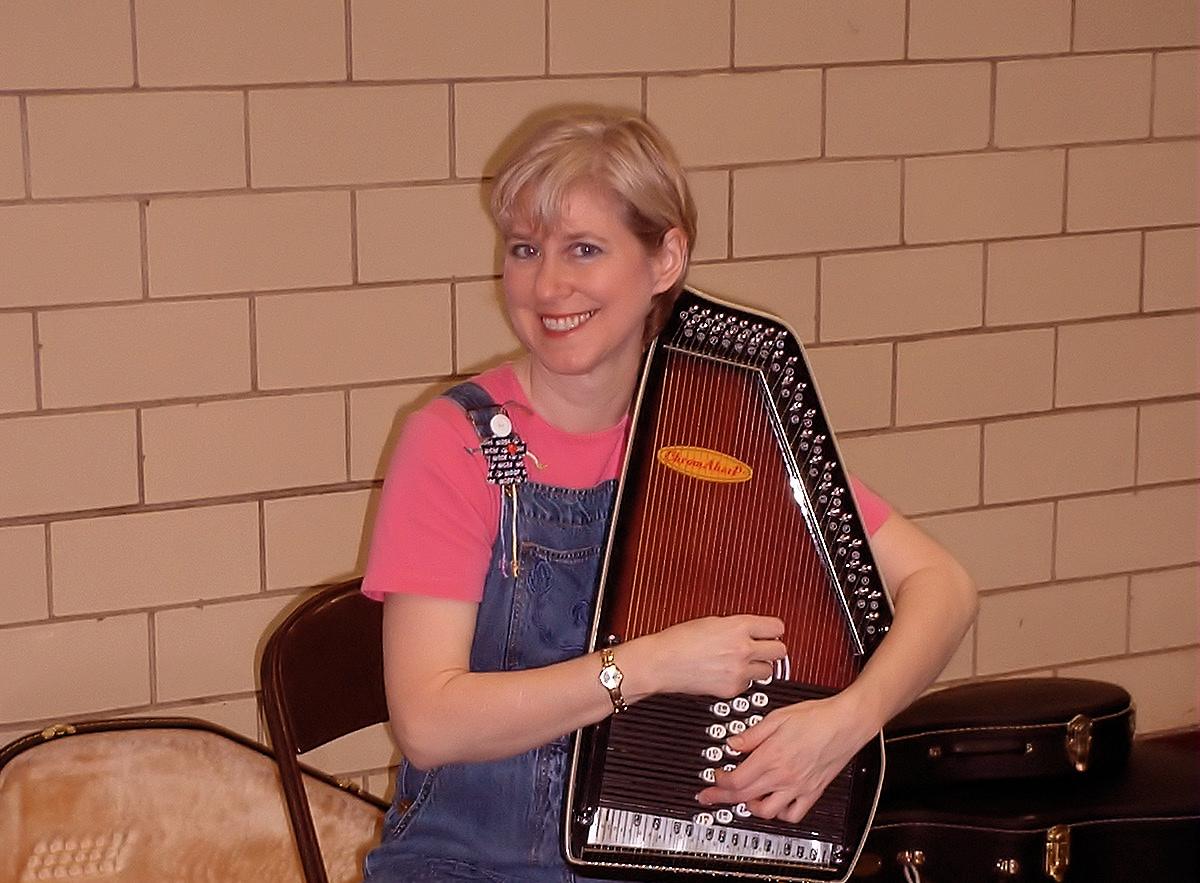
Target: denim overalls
[[500, 820]]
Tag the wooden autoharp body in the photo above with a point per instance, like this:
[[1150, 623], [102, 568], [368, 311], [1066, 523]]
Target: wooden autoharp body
[[733, 500]]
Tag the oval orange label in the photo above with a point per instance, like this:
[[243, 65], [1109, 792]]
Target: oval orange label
[[704, 464]]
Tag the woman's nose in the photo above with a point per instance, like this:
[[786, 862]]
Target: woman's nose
[[551, 279]]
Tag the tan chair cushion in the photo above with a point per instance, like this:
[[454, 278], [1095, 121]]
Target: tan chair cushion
[[159, 805]]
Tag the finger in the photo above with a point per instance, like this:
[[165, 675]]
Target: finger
[[752, 737], [764, 626], [749, 782], [798, 809], [728, 790], [731, 786], [713, 796], [772, 805], [767, 650], [758, 671], [725, 793]]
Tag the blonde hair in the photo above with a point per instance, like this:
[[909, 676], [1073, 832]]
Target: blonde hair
[[620, 153]]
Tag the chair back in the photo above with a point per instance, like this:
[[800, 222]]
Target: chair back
[[322, 678]]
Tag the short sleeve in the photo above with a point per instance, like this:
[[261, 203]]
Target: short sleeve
[[873, 508], [436, 523]]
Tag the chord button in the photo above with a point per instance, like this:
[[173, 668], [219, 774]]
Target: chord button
[[759, 699], [718, 731], [724, 816], [729, 767], [736, 727], [740, 704], [720, 709], [731, 751], [741, 811], [754, 719], [708, 774], [713, 753], [703, 818]]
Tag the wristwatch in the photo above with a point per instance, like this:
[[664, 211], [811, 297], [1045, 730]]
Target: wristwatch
[[610, 679]]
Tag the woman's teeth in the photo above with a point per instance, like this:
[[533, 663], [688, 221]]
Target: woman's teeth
[[566, 323]]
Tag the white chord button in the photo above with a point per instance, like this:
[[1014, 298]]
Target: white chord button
[[759, 700], [720, 709], [740, 704], [718, 731], [708, 774], [713, 753], [754, 719], [724, 817], [736, 726]]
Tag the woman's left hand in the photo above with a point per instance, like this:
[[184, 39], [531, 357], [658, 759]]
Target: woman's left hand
[[790, 756]]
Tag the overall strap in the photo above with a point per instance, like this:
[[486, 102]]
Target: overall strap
[[480, 406]]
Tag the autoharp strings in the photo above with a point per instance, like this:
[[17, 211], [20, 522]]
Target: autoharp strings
[[705, 547]]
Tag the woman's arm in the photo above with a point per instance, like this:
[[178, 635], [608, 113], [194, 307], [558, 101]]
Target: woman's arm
[[796, 751], [442, 712]]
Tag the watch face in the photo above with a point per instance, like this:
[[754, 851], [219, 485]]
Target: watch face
[[610, 676]]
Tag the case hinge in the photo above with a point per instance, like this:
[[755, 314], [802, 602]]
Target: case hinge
[[1058, 852], [1079, 741]]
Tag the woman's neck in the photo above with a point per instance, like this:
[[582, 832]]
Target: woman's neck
[[578, 404]]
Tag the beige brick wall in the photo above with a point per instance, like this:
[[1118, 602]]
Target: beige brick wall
[[238, 238]]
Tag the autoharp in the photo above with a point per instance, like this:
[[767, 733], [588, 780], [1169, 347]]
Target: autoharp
[[733, 500]]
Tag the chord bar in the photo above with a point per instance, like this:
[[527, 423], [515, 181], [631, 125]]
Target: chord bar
[[626, 829]]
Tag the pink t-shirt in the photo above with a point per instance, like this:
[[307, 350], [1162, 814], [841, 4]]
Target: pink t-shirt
[[438, 517]]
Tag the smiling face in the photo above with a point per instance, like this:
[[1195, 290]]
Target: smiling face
[[578, 290]]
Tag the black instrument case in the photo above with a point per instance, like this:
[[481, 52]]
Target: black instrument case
[[1139, 823], [1010, 729]]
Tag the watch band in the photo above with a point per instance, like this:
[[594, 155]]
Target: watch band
[[610, 678]]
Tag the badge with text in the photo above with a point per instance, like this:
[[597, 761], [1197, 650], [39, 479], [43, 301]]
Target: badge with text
[[504, 452], [704, 464]]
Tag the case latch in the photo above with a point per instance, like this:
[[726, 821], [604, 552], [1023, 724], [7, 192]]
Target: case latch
[[1007, 868], [1079, 741], [1058, 852], [911, 861], [55, 730]]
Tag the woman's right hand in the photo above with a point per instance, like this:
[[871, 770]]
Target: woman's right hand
[[713, 656]]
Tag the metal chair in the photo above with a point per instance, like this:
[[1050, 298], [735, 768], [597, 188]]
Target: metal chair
[[322, 678]]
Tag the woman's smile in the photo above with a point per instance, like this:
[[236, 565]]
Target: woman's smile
[[562, 324]]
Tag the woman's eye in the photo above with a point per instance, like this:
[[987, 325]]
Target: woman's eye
[[586, 249], [522, 250]]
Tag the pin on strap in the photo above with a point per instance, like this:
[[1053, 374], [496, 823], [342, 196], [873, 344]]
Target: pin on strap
[[505, 454]]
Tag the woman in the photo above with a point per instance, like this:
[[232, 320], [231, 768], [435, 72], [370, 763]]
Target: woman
[[487, 542]]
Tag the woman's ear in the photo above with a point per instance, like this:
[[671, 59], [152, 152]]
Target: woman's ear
[[670, 259]]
